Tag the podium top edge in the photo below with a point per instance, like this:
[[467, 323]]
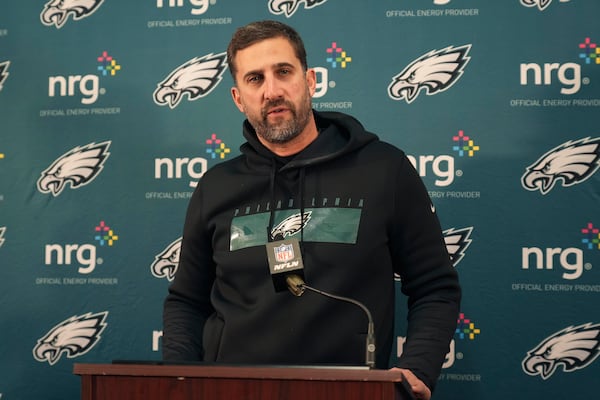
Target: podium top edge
[[324, 373]]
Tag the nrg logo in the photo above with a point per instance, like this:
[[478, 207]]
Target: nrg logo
[[176, 168], [199, 7], [442, 167], [336, 57], [570, 260], [82, 255], [568, 74], [86, 87]]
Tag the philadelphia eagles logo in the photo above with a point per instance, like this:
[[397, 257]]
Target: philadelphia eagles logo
[[571, 163], [289, 7], [457, 241], [196, 78], [3, 72], [2, 232], [165, 264], [73, 337], [78, 167], [56, 12], [572, 348], [541, 4], [291, 225], [433, 73]]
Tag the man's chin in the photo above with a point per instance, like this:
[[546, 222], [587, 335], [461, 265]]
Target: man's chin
[[278, 136]]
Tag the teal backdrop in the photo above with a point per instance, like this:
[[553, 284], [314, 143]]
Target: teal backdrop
[[104, 135]]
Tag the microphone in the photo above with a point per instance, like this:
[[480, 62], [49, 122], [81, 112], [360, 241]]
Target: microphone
[[297, 286]]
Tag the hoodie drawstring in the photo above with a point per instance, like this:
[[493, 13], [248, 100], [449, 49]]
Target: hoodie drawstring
[[273, 236], [301, 190], [270, 236]]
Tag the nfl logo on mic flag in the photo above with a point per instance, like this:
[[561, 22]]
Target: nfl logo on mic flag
[[284, 252]]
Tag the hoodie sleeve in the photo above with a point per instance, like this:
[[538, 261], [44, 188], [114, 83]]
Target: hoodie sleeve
[[428, 278], [187, 306]]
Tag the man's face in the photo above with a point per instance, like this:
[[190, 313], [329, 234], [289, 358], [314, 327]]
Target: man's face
[[273, 90]]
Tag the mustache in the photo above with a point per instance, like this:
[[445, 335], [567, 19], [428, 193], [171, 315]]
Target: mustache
[[276, 103]]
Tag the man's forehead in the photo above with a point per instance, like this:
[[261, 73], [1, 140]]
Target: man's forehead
[[269, 53]]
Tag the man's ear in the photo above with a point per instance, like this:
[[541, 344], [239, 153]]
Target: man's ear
[[235, 95], [311, 80]]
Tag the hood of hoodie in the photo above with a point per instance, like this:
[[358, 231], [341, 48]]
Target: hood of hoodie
[[339, 134]]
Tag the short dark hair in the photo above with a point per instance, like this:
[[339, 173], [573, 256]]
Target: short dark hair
[[258, 31]]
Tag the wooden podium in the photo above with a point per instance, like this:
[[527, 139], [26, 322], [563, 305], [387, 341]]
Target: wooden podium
[[179, 382]]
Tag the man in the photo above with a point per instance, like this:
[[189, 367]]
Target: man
[[358, 209]]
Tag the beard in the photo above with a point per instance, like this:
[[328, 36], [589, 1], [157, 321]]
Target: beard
[[282, 130]]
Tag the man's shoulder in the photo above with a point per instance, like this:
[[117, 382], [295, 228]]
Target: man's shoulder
[[224, 168], [384, 148]]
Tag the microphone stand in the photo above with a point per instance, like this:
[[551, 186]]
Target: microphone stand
[[297, 287]]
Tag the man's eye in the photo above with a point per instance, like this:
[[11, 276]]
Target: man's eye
[[254, 79]]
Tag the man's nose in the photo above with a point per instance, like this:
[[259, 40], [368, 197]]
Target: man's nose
[[273, 88]]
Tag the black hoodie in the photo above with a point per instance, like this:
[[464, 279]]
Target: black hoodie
[[365, 219]]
